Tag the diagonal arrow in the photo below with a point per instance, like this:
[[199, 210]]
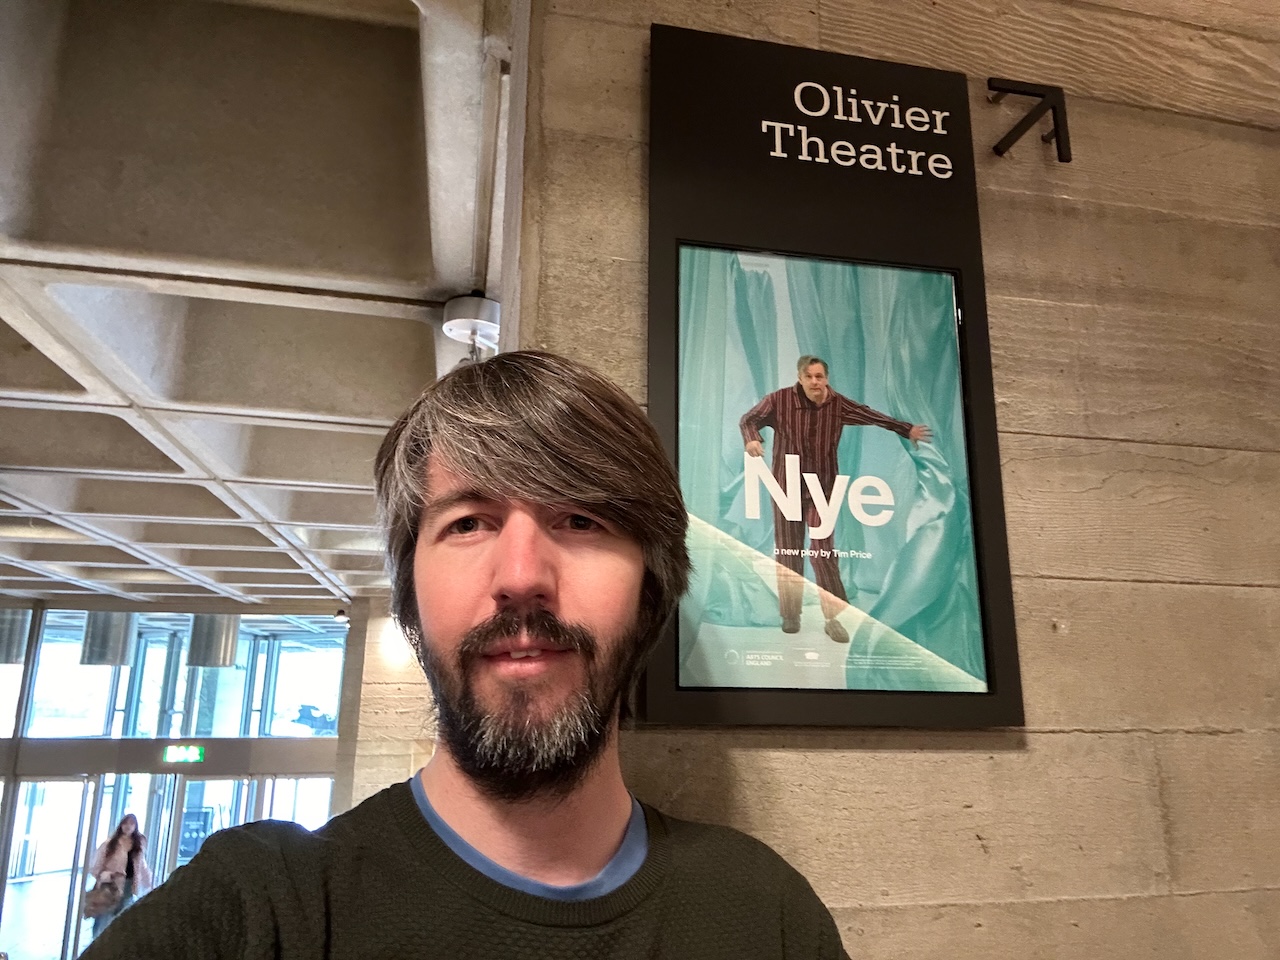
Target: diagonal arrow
[[1051, 99]]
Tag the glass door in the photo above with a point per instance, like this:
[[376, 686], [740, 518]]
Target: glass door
[[41, 900], [302, 800], [207, 807], [149, 798], [59, 824]]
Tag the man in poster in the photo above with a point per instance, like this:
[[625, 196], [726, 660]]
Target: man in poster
[[807, 419]]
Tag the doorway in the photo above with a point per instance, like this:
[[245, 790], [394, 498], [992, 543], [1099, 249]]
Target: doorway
[[60, 823]]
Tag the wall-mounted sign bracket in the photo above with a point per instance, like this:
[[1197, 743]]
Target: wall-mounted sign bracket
[[1051, 98]]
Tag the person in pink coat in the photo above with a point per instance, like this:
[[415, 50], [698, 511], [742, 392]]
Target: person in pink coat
[[122, 858]]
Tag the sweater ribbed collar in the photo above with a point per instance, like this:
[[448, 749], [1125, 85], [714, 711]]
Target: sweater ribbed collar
[[435, 853]]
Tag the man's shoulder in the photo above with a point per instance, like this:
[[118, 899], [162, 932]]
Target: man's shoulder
[[782, 398], [712, 847], [697, 833], [727, 873], [839, 397], [371, 818], [267, 842]]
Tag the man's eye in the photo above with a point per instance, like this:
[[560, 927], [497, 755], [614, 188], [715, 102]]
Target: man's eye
[[580, 521], [464, 525]]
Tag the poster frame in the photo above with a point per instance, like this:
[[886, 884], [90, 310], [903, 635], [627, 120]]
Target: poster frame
[[700, 200]]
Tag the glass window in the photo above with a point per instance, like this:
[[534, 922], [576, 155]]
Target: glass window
[[297, 679], [308, 683], [71, 699], [15, 626], [143, 706], [285, 681], [218, 696], [304, 800]]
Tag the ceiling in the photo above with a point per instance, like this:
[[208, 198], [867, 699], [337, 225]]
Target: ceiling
[[226, 233]]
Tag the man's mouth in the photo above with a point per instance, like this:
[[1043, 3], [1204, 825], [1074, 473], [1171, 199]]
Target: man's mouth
[[506, 651], [525, 661]]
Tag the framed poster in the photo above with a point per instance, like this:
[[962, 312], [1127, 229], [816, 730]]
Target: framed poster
[[819, 368]]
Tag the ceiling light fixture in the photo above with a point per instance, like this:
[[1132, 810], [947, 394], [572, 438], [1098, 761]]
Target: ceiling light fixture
[[214, 637], [108, 638], [475, 321]]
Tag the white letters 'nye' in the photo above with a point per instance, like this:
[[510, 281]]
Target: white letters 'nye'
[[863, 492]]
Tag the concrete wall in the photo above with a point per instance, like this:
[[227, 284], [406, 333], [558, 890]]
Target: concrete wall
[[1131, 296], [384, 730]]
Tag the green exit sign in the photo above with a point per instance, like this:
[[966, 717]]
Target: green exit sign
[[183, 753]]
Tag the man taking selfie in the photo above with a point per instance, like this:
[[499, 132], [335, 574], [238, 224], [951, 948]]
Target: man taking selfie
[[536, 546]]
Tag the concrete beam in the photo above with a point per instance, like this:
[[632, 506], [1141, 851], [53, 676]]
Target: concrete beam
[[453, 80]]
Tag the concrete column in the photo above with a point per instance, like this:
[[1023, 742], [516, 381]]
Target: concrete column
[[385, 730]]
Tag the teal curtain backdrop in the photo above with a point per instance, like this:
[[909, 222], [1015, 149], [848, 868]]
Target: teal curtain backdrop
[[889, 337]]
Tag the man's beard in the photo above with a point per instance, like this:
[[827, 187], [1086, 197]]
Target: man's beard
[[511, 752]]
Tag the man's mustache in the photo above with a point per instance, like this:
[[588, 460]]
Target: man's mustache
[[540, 624]]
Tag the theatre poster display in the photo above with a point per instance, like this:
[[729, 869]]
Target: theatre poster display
[[832, 541], [819, 367]]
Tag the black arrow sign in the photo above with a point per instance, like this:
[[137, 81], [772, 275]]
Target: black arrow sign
[[1051, 98]]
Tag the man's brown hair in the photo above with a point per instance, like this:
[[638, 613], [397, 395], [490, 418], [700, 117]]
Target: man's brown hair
[[807, 361], [541, 428]]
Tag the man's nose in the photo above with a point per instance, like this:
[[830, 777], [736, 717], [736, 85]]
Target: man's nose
[[524, 564]]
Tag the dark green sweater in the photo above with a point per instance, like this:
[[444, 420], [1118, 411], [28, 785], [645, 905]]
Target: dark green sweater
[[377, 882]]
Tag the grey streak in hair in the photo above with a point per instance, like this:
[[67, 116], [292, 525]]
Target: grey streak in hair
[[537, 427]]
